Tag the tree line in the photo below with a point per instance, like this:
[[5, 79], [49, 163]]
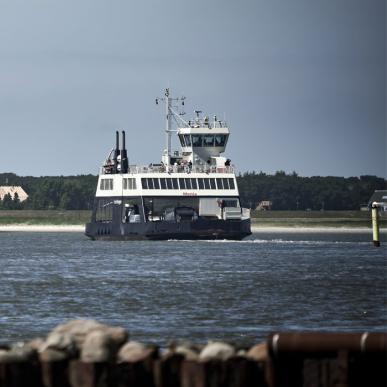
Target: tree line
[[51, 192], [293, 192], [285, 191]]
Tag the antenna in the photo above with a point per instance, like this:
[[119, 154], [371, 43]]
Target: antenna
[[169, 114]]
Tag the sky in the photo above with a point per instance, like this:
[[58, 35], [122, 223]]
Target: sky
[[302, 84]]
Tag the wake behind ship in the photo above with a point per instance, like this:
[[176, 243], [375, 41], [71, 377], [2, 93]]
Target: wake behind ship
[[191, 194]]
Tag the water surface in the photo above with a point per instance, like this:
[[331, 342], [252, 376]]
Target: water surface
[[237, 291]]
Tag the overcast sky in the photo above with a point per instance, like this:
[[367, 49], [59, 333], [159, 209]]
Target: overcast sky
[[301, 83]]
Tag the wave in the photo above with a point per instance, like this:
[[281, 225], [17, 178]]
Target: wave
[[276, 241]]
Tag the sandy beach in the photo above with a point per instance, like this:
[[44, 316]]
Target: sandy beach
[[41, 228], [254, 229]]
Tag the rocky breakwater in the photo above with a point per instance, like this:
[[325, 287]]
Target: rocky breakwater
[[86, 353]]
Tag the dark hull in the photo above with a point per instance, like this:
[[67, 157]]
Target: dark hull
[[200, 229]]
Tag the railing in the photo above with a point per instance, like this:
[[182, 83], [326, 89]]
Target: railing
[[139, 169]]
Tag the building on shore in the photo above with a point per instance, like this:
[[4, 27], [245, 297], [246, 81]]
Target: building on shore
[[12, 190]]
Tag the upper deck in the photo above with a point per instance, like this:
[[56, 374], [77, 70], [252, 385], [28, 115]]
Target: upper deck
[[181, 168]]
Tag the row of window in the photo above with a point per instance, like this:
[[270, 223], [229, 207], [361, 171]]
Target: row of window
[[187, 183], [198, 140], [172, 183]]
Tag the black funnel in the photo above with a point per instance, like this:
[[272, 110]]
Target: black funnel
[[116, 152], [124, 155]]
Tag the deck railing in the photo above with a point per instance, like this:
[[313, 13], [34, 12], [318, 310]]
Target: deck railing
[[157, 168]]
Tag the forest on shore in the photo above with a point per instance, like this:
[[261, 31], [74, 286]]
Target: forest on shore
[[286, 192]]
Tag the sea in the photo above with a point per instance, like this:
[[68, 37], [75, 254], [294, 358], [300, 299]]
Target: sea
[[195, 291]]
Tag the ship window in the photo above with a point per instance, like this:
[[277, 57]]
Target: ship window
[[225, 184], [231, 182], [187, 140], [169, 183], [188, 183], [150, 183], [208, 140], [220, 140], [104, 210], [219, 183], [181, 138], [193, 184], [201, 183], [156, 183], [207, 183], [182, 183], [129, 183], [144, 183], [230, 202], [163, 183], [106, 184], [175, 183], [196, 140], [212, 183]]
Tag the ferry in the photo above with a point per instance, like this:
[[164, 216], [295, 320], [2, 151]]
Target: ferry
[[192, 193]]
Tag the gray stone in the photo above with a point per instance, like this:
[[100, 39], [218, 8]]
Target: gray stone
[[17, 354], [188, 352], [53, 355], [217, 351], [71, 336], [258, 352], [98, 347], [132, 351]]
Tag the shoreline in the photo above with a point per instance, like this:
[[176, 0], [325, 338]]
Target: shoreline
[[254, 228]]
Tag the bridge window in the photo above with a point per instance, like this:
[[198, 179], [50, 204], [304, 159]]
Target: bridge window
[[197, 140], [220, 140], [187, 140], [193, 183], [212, 184], [208, 140], [225, 184], [206, 183], [201, 183], [181, 138], [144, 183], [219, 183], [150, 183], [163, 183], [231, 182]]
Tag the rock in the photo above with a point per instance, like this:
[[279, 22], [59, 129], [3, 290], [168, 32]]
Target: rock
[[61, 342], [17, 354], [71, 336], [258, 352], [217, 351], [98, 347], [53, 355], [35, 344], [132, 352], [188, 352]]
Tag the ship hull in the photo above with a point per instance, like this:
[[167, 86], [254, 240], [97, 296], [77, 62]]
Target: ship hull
[[201, 229]]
